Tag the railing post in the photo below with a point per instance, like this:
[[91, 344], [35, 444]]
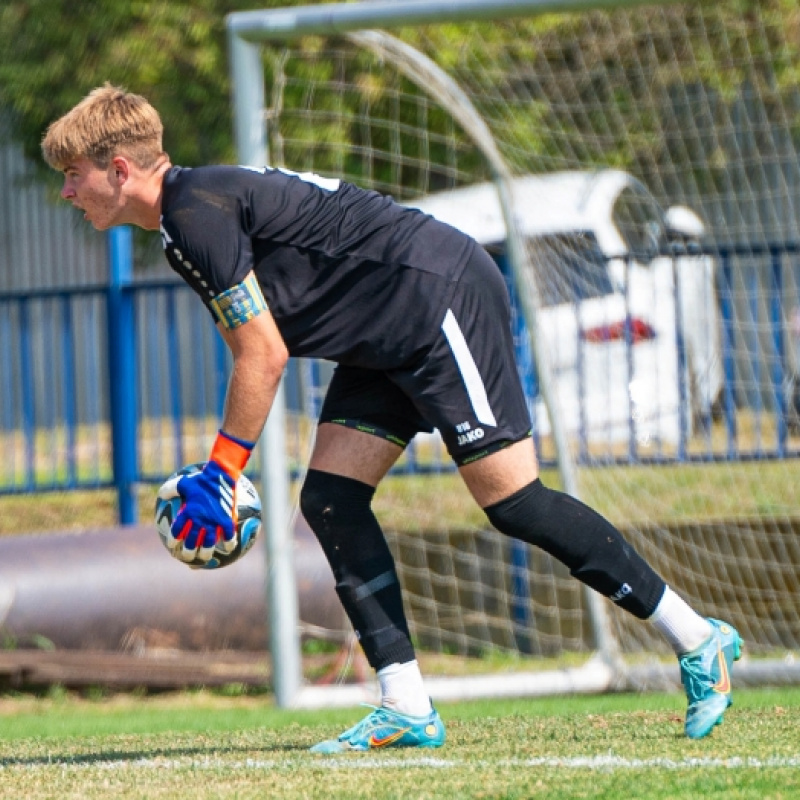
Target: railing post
[[778, 372], [28, 393], [753, 345], [728, 351], [633, 454], [684, 409], [122, 372]]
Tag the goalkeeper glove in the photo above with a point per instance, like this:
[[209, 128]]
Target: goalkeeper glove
[[207, 517]]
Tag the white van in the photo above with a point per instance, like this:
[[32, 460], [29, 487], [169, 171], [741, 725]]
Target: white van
[[609, 317]]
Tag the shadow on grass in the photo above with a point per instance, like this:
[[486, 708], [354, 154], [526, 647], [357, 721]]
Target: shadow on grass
[[114, 757]]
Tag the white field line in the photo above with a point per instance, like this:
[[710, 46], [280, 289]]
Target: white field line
[[604, 763]]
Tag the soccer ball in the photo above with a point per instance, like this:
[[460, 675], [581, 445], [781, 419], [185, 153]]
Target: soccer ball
[[248, 505]]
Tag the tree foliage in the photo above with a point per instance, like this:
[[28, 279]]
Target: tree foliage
[[172, 51], [594, 84]]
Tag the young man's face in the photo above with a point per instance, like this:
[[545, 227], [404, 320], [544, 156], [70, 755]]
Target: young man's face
[[94, 190]]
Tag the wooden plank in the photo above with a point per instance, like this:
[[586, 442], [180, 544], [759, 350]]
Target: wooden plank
[[22, 669]]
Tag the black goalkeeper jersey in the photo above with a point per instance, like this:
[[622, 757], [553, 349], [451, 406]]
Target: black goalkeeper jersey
[[348, 274]]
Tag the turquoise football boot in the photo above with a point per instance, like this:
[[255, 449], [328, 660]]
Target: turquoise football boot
[[386, 728], [706, 677]]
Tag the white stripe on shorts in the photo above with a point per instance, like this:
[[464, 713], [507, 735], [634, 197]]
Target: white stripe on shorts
[[468, 369]]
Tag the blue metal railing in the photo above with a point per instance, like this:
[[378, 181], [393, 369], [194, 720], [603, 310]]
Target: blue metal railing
[[778, 367], [43, 402], [109, 386]]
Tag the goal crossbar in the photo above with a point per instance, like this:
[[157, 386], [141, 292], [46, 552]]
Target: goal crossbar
[[255, 26]]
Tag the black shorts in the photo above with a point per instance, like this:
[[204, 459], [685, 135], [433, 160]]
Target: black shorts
[[465, 384]]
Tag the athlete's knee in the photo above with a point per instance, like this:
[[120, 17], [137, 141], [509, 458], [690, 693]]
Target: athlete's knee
[[532, 514], [338, 510], [330, 502]]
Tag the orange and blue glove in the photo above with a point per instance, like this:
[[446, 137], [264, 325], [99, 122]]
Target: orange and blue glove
[[207, 516]]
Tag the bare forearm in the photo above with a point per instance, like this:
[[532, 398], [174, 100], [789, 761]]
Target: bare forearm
[[251, 392], [259, 358]]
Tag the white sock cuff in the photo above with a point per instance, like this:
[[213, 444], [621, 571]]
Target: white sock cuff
[[402, 689], [397, 668], [680, 624]]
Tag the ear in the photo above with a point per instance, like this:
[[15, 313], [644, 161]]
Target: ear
[[120, 169]]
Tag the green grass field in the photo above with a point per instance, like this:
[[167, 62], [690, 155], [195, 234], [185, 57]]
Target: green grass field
[[627, 495], [200, 745]]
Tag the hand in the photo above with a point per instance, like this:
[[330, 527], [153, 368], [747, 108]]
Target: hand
[[208, 514]]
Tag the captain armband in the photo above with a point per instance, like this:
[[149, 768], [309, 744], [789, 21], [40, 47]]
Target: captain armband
[[239, 304]]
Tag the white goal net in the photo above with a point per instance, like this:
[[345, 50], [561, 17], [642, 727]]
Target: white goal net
[[653, 156]]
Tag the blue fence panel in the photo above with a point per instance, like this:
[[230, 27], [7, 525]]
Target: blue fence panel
[[182, 374], [85, 404], [52, 390]]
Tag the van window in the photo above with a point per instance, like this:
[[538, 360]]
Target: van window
[[570, 267], [640, 222]]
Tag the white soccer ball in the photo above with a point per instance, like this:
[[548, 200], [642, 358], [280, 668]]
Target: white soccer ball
[[248, 504]]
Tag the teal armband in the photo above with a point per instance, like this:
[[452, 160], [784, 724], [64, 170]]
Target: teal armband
[[239, 304]]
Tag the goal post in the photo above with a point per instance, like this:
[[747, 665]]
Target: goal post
[[675, 127], [281, 588]]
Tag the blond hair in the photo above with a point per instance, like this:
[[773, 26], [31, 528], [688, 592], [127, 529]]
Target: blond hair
[[109, 121]]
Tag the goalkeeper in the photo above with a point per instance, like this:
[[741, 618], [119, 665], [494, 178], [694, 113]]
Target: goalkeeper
[[416, 316]]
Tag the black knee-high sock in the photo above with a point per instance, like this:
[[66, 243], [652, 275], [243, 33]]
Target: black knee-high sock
[[338, 510], [592, 548]]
